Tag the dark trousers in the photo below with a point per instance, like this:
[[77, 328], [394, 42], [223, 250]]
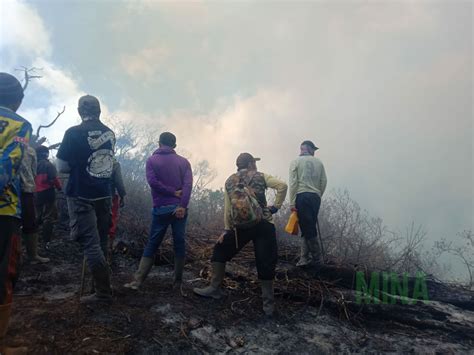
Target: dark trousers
[[115, 216], [47, 213], [90, 223], [307, 204], [63, 213], [28, 213], [265, 247], [159, 224], [10, 252], [103, 211]]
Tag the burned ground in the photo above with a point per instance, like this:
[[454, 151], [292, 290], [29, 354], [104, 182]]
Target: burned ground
[[315, 314]]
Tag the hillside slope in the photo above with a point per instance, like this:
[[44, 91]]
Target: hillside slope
[[315, 314]]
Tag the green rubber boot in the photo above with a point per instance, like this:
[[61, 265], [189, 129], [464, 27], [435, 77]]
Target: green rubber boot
[[268, 297], [143, 269], [31, 243], [214, 289]]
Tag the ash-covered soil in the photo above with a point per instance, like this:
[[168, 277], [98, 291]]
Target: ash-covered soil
[[313, 316]]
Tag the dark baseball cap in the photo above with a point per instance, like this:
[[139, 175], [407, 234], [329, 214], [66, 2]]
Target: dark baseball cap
[[244, 159], [168, 139], [310, 144]]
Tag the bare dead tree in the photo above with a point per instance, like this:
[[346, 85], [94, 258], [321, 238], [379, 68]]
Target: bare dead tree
[[204, 174], [29, 74], [36, 140], [464, 252], [52, 122], [408, 258]]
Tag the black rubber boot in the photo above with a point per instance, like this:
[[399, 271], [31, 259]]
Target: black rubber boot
[[103, 291]]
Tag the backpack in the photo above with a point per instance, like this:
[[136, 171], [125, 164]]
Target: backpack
[[245, 211]]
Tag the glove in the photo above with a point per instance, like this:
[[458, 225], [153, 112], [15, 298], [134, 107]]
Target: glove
[[273, 209]]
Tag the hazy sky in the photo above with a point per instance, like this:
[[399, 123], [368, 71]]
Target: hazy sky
[[384, 88]]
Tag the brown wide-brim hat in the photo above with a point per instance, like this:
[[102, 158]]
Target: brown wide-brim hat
[[244, 159]]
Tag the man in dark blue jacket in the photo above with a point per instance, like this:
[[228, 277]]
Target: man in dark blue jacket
[[87, 153]]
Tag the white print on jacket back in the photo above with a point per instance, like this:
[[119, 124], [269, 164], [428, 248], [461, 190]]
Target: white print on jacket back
[[100, 163]]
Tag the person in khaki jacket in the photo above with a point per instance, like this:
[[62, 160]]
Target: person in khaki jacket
[[263, 234], [47, 183], [28, 211], [307, 185]]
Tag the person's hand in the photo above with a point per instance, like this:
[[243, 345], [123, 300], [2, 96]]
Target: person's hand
[[178, 193], [180, 212], [273, 209], [221, 237], [122, 202], [293, 209]]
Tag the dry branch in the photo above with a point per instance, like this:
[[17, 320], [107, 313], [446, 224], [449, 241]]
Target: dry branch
[[29, 74], [52, 123]]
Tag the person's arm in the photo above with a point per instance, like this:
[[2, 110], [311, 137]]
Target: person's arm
[[323, 181], [34, 163], [155, 184], [64, 155], [52, 174], [280, 186], [63, 166], [187, 186], [118, 180], [13, 153], [57, 184], [27, 169], [293, 183], [227, 219]]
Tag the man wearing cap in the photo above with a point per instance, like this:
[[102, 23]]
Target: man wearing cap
[[15, 133], [171, 180], [87, 153], [263, 234], [307, 185]]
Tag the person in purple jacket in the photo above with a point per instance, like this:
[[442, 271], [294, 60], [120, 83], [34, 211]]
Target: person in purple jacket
[[170, 178]]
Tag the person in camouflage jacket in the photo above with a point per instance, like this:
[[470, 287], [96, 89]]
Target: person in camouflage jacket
[[262, 234]]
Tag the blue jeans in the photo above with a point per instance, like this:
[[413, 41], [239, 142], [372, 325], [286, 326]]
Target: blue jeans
[[162, 217]]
